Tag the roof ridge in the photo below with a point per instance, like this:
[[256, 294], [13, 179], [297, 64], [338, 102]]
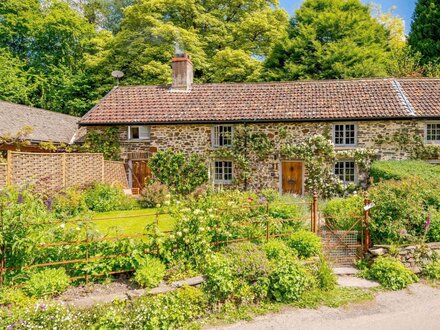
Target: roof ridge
[[403, 97]]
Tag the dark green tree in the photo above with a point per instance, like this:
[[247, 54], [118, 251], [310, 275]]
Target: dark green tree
[[425, 30], [331, 39]]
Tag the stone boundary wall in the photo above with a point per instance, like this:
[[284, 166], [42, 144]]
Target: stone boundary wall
[[115, 173], [415, 257], [52, 171], [2, 175]]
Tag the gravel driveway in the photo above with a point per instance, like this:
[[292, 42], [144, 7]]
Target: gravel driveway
[[417, 307]]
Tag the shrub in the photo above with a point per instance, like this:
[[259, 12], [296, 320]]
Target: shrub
[[400, 170], [277, 249], [182, 174], [288, 280], [434, 228], [325, 276], [47, 282], [103, 198], [306, 243], [399, 207], [247, 261], [151, 272], [153, 194], [69, 203], [167, 311], [391, 273], [432, 271], [219, 277], [343, 213]]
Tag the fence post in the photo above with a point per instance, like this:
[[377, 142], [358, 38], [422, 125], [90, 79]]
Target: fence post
[[9, 168], [367, 240], [87, 252], [314, 220], [63, 164], [3, 250], [267, 222], [157, 217]]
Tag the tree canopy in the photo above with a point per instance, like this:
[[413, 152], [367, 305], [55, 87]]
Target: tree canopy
[[331, 39], [59, 54], [425, 30]]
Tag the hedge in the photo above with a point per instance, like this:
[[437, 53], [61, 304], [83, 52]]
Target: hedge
[[399, 170]]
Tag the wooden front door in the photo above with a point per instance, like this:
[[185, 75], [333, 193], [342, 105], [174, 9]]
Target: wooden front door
[[140, 172], [292, 177]]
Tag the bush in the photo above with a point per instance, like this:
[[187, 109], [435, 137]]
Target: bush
[[219, 277], [400, 170], [434, 228], [104, 198], [391, 273], [343, 213], [151, 272], [277, 249], [325, 276], [400, 207], [47, 282], [247, 261], [181, 173], [432, 271], [306, 243], [288, 280], [154, 193], [69, 203]]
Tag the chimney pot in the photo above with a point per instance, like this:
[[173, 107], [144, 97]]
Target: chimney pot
[[182, 72]]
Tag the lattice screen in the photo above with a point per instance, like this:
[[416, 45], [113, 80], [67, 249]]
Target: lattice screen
[[2, 175], [115, 173]]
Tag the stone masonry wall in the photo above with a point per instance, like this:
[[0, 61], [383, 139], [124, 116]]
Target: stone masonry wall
[[414, 257], [197, 139]]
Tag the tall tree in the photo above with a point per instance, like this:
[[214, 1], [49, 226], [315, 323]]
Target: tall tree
[[425, 30], [331, 39], [49, 43], [232, 35]]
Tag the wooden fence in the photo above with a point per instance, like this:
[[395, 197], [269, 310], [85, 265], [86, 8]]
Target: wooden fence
[[52, 171]]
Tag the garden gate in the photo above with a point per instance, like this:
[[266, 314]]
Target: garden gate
[[343, 247]]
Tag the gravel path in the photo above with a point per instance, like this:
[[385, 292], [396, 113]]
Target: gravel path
[[417, 307]]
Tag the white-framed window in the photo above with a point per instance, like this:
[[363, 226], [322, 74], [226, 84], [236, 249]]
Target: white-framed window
[[345, 170], [222, 135], [432, 132], [223, 173], [138, 132], [345, 134]]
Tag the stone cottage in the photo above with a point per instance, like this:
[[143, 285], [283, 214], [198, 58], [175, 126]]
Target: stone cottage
[[199, 118]]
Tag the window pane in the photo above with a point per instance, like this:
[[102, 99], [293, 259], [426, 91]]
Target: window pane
[[135, 132], [433, 132]]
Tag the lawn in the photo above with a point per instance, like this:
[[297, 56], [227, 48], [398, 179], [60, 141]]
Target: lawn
[[130, 222]]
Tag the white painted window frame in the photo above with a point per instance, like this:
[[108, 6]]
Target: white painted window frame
[[140, 127], [215, 136], [345, 144], [426, 132], [356, 178], [222, 181]]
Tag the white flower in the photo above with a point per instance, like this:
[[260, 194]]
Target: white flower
[[179, 233], [63, 225]]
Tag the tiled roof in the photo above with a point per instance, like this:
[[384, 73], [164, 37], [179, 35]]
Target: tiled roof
[[276, 101], [47, 125]]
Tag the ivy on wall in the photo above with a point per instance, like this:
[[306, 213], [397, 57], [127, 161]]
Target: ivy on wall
[[411, 143]]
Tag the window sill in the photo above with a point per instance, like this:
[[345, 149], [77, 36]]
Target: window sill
[[346, 147], [137, 140], [223, 182]]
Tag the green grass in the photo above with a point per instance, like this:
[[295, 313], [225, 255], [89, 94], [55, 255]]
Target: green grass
[[130, 222]]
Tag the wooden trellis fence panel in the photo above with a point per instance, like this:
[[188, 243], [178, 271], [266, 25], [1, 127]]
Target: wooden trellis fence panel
[[52, 171]]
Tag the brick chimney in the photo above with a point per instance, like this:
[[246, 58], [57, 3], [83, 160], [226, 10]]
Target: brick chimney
[[182, 72]]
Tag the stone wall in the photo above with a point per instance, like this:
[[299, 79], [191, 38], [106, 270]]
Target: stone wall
[[415, 257], [197, 139]]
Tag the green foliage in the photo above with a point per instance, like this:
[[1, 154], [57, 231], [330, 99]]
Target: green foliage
[[47, 282], [401, 210], [103, 198], [289, 280], [325, 276], [423, 38], [434, 228], [150, 273], [333, 298], [306, 243], [432, 271], [391, 273], [219, 278], [343, 213], [182, 174], [69, 203], [276, 249], [106, 142], [331, 39], [399, 170], [153, 194]]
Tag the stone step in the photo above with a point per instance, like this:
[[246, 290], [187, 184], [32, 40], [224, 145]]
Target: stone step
[[341, 271], [356, 282]]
